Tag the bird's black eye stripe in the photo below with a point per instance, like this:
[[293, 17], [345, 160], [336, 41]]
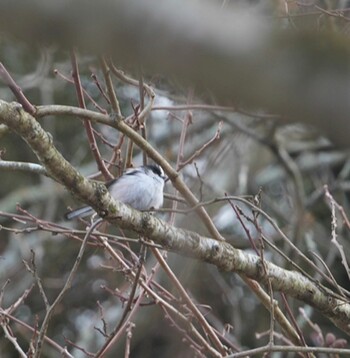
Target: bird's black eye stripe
[[156, 169]]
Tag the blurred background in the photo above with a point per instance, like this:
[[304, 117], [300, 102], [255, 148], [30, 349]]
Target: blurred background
[[248, 152]]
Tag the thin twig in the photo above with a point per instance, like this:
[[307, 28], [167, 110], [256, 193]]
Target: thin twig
[[186, 122], [334, 231], [199, 151], [127, 308], [294, 321], [2, 290], [16, 90], [49, 341], [110, 88], [288, 349], [88, 127], [65, 288], [129, 329], [193, 308], [32, 269], [69, 80], [13, 340], [145, 285]]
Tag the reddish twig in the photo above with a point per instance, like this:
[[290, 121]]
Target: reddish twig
[[88, 127], [98, 85], [186, 122], [79, 348], [238, 213], [192, 307], [292, 318], [110, 88], [198, 152], [121, 324], [16, 90], [142, 120], [86, 93], [66, 287]]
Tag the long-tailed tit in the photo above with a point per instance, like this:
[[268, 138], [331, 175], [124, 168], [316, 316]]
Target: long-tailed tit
[[141, 188]]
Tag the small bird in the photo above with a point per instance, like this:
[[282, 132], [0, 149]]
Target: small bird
[[141, 188]]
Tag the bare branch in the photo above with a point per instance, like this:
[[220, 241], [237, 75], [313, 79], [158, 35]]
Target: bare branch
[[16, 90], [21, 166], [221, 254], [67, 285]]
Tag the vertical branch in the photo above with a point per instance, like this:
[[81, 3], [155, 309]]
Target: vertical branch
[[110, 88], [88, 127], [112, 97], [334, 225], [180, 155], [292, 169], [129, 329], [144, 109], [129, 151], [142, 106]]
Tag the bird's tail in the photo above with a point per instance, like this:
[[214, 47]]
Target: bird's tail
[[79, 213]]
